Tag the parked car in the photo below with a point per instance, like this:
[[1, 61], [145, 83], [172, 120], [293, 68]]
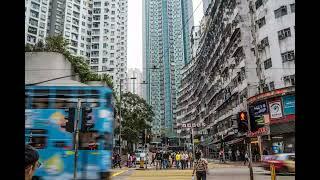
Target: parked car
[[284, 163]]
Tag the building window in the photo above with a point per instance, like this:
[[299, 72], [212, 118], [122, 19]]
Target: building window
[[31, 39], [32, 30], [104, 45], [111, 62], [94, 68], [104, 60], [271, 86], [261, 22], [289, 80], [267, 64], [41, 33], [34, 14], [293, 8], [94, 61], [264, 43], [111, 55], [35, 6], [258, 3], [288, 56], [33, 22], [284, 33], [112, 47], [281, 11]]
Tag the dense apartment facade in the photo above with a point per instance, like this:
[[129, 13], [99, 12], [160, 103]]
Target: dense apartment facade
[[232, 73], [95, 29], [164, 48]]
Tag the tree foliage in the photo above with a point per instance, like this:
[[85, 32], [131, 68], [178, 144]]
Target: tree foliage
[[136, 115], [60, 45]]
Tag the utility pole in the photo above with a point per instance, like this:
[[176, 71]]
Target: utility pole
[[76, 139], [193, 150], [223, 155], [145, 148]]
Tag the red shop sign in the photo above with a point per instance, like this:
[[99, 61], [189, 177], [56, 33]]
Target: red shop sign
[[260, 132]]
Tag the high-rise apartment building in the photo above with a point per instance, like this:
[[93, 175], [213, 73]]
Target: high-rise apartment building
[[36, 18], [96, 30], [164, 48], [245, 62]]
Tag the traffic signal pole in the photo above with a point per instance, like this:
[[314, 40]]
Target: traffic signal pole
[[76, 138], [249, 146]]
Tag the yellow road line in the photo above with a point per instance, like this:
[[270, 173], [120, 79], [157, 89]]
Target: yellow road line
[[118, 173]]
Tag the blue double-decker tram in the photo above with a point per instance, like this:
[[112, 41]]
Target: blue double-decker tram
[[72, 129]]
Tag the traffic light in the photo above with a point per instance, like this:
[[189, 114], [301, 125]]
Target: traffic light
[[87, 120], [70, 117], [242, 121]]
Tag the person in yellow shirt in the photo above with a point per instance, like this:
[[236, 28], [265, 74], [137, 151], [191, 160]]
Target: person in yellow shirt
[[178, 159]]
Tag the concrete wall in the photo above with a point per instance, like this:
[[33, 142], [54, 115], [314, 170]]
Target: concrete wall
[[41, 66]]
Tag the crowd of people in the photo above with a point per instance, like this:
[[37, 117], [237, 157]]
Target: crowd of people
[[165, 160]]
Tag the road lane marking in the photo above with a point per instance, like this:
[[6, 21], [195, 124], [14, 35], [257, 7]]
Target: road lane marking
[[118, 173]]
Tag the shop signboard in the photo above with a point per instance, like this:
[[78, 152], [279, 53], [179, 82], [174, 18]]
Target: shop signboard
[[288, 105], [193, 125], [275, 109], [257, 112], [260, 132]]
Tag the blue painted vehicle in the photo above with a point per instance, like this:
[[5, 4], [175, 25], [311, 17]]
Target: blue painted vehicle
[[50, 113]]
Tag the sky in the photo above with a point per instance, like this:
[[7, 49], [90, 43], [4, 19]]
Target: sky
[[134, 46]]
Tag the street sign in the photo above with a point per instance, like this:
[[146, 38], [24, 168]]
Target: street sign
[[192, 125]]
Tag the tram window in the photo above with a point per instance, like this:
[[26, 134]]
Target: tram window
[[88, 140], [37, 138], [40, 103], [107, 137]]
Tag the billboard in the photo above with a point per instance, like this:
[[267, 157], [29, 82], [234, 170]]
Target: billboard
[[257, 112], [275, 108], [288, 105]]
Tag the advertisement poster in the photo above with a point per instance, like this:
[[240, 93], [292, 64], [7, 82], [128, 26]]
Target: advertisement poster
[[275, 109], [257, 112], [288, 105]]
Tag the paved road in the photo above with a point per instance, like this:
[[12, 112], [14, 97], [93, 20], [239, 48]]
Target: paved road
[[215, 172]]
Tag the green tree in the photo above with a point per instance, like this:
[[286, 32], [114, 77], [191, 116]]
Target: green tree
[[39, 46], [136, 115], [28, 48], [56, 44]]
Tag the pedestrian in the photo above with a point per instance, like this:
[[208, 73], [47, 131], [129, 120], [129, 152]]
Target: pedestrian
[[238, 155], [221, 155], [153, 158], [186, 159], [31, 161], [246, 158], [200, 167], [134, 160], [173, 157], [178, 158], [158, 160], [230, 154], [118, 161], [190, 160]]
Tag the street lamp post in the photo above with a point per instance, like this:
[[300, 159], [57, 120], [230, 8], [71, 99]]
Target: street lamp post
[[120, 119]]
